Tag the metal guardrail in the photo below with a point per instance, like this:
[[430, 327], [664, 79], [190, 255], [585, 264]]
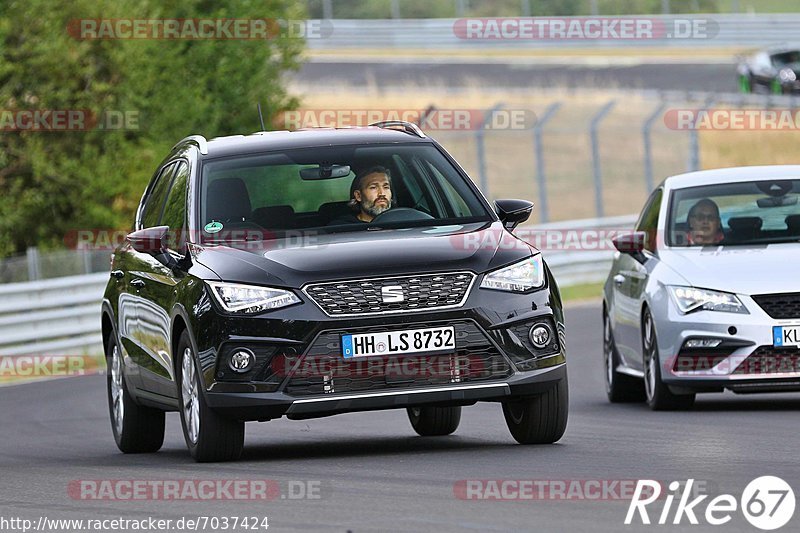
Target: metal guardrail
[[576, 266], [52, 317], [739, 30], [62, 316]]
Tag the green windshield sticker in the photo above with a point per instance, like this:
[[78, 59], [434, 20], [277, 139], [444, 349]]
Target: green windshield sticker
[[213, 227]]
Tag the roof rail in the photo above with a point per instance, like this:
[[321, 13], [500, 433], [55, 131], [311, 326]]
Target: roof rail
[[197, 140], [408, 127]]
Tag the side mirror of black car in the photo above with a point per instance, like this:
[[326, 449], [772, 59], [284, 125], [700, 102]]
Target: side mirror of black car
[[513, 212], [155, 241], [151, 241], [630, 243]]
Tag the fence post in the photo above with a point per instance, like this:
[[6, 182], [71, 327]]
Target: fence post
[[87, 261], [598, 183], [481, 149], [694, 140], [538, 130], [32, 254], [648, 157]]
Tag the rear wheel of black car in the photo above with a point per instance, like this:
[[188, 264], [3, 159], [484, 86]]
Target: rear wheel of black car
[[620, 388], [659, 397], [540, 419], [209, 436], [137, 429], [430, 421]]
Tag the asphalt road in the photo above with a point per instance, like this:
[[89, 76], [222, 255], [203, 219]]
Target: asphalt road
[[373, 473], [715, 77]]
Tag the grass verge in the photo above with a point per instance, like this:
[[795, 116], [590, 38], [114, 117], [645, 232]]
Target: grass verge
[[583, 291]]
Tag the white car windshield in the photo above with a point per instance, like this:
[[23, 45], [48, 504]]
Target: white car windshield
[[756, 212]]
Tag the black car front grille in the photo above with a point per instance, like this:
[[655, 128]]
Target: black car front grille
[[784, 305], [391, 295], [771, 360], [323, 370]]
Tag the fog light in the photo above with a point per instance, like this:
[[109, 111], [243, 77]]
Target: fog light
[[540, 336], [242, 361], [703, 343]]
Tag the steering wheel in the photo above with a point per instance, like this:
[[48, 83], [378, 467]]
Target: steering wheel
[[401, 214]]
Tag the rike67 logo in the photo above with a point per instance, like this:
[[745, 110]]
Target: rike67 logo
[[767, 503]]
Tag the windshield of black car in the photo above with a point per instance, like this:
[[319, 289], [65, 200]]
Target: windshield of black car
[[400, 185], [753, 212], [786, 58]]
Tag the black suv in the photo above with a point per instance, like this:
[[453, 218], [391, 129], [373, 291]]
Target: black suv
[[261, 281]]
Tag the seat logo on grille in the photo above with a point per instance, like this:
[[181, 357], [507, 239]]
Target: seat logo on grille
[[392, 293]]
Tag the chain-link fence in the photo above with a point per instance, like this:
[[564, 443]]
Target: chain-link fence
[[36, 265]]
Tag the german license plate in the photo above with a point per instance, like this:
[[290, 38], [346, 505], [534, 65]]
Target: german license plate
[[786, 335], [399, 342]]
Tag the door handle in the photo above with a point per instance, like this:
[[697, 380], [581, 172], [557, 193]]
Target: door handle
[[619, 279], [137, 283], [118, 274]]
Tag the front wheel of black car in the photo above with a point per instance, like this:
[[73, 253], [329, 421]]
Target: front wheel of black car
[[540, 419], [659, 397], [434, 421], [137, 429], [209, 436]]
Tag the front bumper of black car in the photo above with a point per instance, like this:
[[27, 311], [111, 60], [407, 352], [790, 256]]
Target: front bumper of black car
[[266, 406], [300, 373]]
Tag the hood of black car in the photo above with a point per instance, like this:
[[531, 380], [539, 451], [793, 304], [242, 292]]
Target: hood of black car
[[296, 260]]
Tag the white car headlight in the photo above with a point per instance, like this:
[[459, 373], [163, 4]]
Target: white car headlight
[[250, 298], [519, 277], [690, 299]]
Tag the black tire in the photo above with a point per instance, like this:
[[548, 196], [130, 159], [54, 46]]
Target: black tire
[[540, 419], [658, 395], [139, 429], [620, 388], [430, 421], [217, 438]]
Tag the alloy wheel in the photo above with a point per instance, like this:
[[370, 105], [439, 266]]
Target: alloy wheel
[[116, 389], [650, 358], [189, 391], [608, 353]]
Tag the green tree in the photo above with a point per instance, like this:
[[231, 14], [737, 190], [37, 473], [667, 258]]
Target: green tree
[[52, 182]]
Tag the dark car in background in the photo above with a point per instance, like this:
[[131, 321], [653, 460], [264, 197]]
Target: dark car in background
[[248, 292], [773, 70]]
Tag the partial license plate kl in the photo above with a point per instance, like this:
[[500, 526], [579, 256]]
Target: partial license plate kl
[[786, 336]]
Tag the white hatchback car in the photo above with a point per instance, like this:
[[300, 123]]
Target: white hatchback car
[[704, 295]]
